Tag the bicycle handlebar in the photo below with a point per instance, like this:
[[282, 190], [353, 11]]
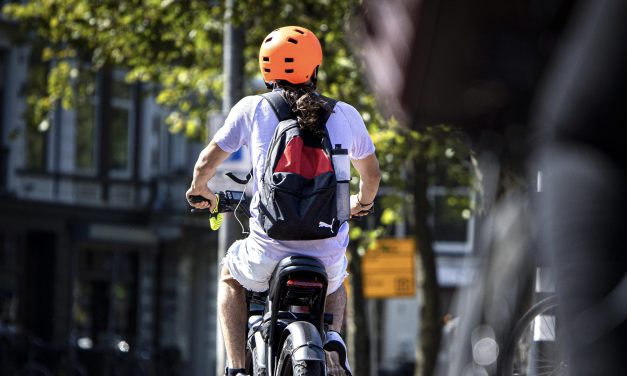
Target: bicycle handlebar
[[228, 201]]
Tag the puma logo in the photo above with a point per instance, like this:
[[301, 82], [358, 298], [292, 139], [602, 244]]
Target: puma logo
[[324, 224]]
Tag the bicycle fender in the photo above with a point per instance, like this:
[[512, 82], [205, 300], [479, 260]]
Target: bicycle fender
[[307, 342], [260, 348]]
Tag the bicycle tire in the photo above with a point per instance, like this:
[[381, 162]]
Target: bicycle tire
[[302, 368], [516, 359], [252, 367]]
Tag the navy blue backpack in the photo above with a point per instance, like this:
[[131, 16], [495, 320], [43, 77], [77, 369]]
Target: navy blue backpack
[[298, 190]]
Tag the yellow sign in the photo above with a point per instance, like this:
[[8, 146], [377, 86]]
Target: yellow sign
[[389, 269]]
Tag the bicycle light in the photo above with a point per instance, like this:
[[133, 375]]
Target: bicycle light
[[304, 284], [215, 220]]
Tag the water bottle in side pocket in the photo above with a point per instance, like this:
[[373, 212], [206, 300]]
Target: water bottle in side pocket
[[342, 166]]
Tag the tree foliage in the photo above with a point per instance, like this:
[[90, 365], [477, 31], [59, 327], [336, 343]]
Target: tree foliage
[[177, 45]]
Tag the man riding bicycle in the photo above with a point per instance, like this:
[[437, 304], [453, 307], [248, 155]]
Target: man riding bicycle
[[289, 59]]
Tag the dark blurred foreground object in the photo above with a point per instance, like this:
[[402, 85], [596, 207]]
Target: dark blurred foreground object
[[581, 116], [471, 64], [478, 65]]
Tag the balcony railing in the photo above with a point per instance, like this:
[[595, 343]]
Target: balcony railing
[[84, 190]]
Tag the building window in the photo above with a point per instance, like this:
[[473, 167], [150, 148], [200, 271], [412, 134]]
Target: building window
[[86, 112], [106, 297], [36, 135], [36, 143], [122, 116], [156, 136], [3, 72], [453, 223], [119, 139], [4, 151], [90, 117]]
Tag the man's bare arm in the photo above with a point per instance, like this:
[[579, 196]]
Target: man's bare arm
[[205, 168], [370, 176]]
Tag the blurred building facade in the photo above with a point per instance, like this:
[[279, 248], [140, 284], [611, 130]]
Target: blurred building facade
[[98, 255]]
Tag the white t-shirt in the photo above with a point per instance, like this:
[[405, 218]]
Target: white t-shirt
[[252, 122]]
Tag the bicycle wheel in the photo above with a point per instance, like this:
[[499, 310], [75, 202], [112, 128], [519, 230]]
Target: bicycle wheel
[[302, 368], [252, 364], [534, 346]]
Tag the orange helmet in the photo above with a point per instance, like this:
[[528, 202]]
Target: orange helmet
[[290, 53]]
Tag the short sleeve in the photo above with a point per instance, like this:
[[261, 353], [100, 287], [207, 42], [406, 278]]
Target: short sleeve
[[236, 129], [362, 145]]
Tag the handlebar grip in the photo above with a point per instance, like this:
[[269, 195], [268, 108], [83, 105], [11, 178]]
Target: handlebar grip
[[198, 199], [226, 201]]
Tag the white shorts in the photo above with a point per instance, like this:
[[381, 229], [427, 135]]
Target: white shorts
[[253, 269]]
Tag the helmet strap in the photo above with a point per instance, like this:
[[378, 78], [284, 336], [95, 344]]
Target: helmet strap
[[314, 77]]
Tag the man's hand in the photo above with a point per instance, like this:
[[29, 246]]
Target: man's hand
[[359, 210], [203, 191], [204, 169]]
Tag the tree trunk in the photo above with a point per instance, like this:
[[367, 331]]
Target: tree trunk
[[358, 331], [430, 324]]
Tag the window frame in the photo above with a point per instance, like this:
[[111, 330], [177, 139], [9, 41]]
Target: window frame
[[452, 247], [44, 160], [129, 105], [94, 101]]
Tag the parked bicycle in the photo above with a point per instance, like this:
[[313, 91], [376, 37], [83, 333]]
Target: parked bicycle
[[534, 346], [288, 335]]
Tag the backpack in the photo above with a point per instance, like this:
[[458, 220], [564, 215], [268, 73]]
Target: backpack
[[297, 197]]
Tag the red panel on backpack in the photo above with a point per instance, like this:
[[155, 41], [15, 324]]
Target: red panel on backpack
[[303, 160]]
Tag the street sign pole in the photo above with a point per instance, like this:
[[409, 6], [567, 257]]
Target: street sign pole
[[233, 79]]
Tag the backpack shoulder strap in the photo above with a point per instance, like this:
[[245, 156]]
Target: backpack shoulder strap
[[326, 141], [331, 105], [279, 105]]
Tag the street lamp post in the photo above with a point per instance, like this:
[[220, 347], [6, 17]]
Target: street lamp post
[[233, 84]]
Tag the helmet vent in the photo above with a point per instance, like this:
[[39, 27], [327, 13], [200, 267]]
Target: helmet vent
[[268, 40], [289, 71], [265, 58], [299, 31], [289, 59], [267, 70], [292, 40]]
